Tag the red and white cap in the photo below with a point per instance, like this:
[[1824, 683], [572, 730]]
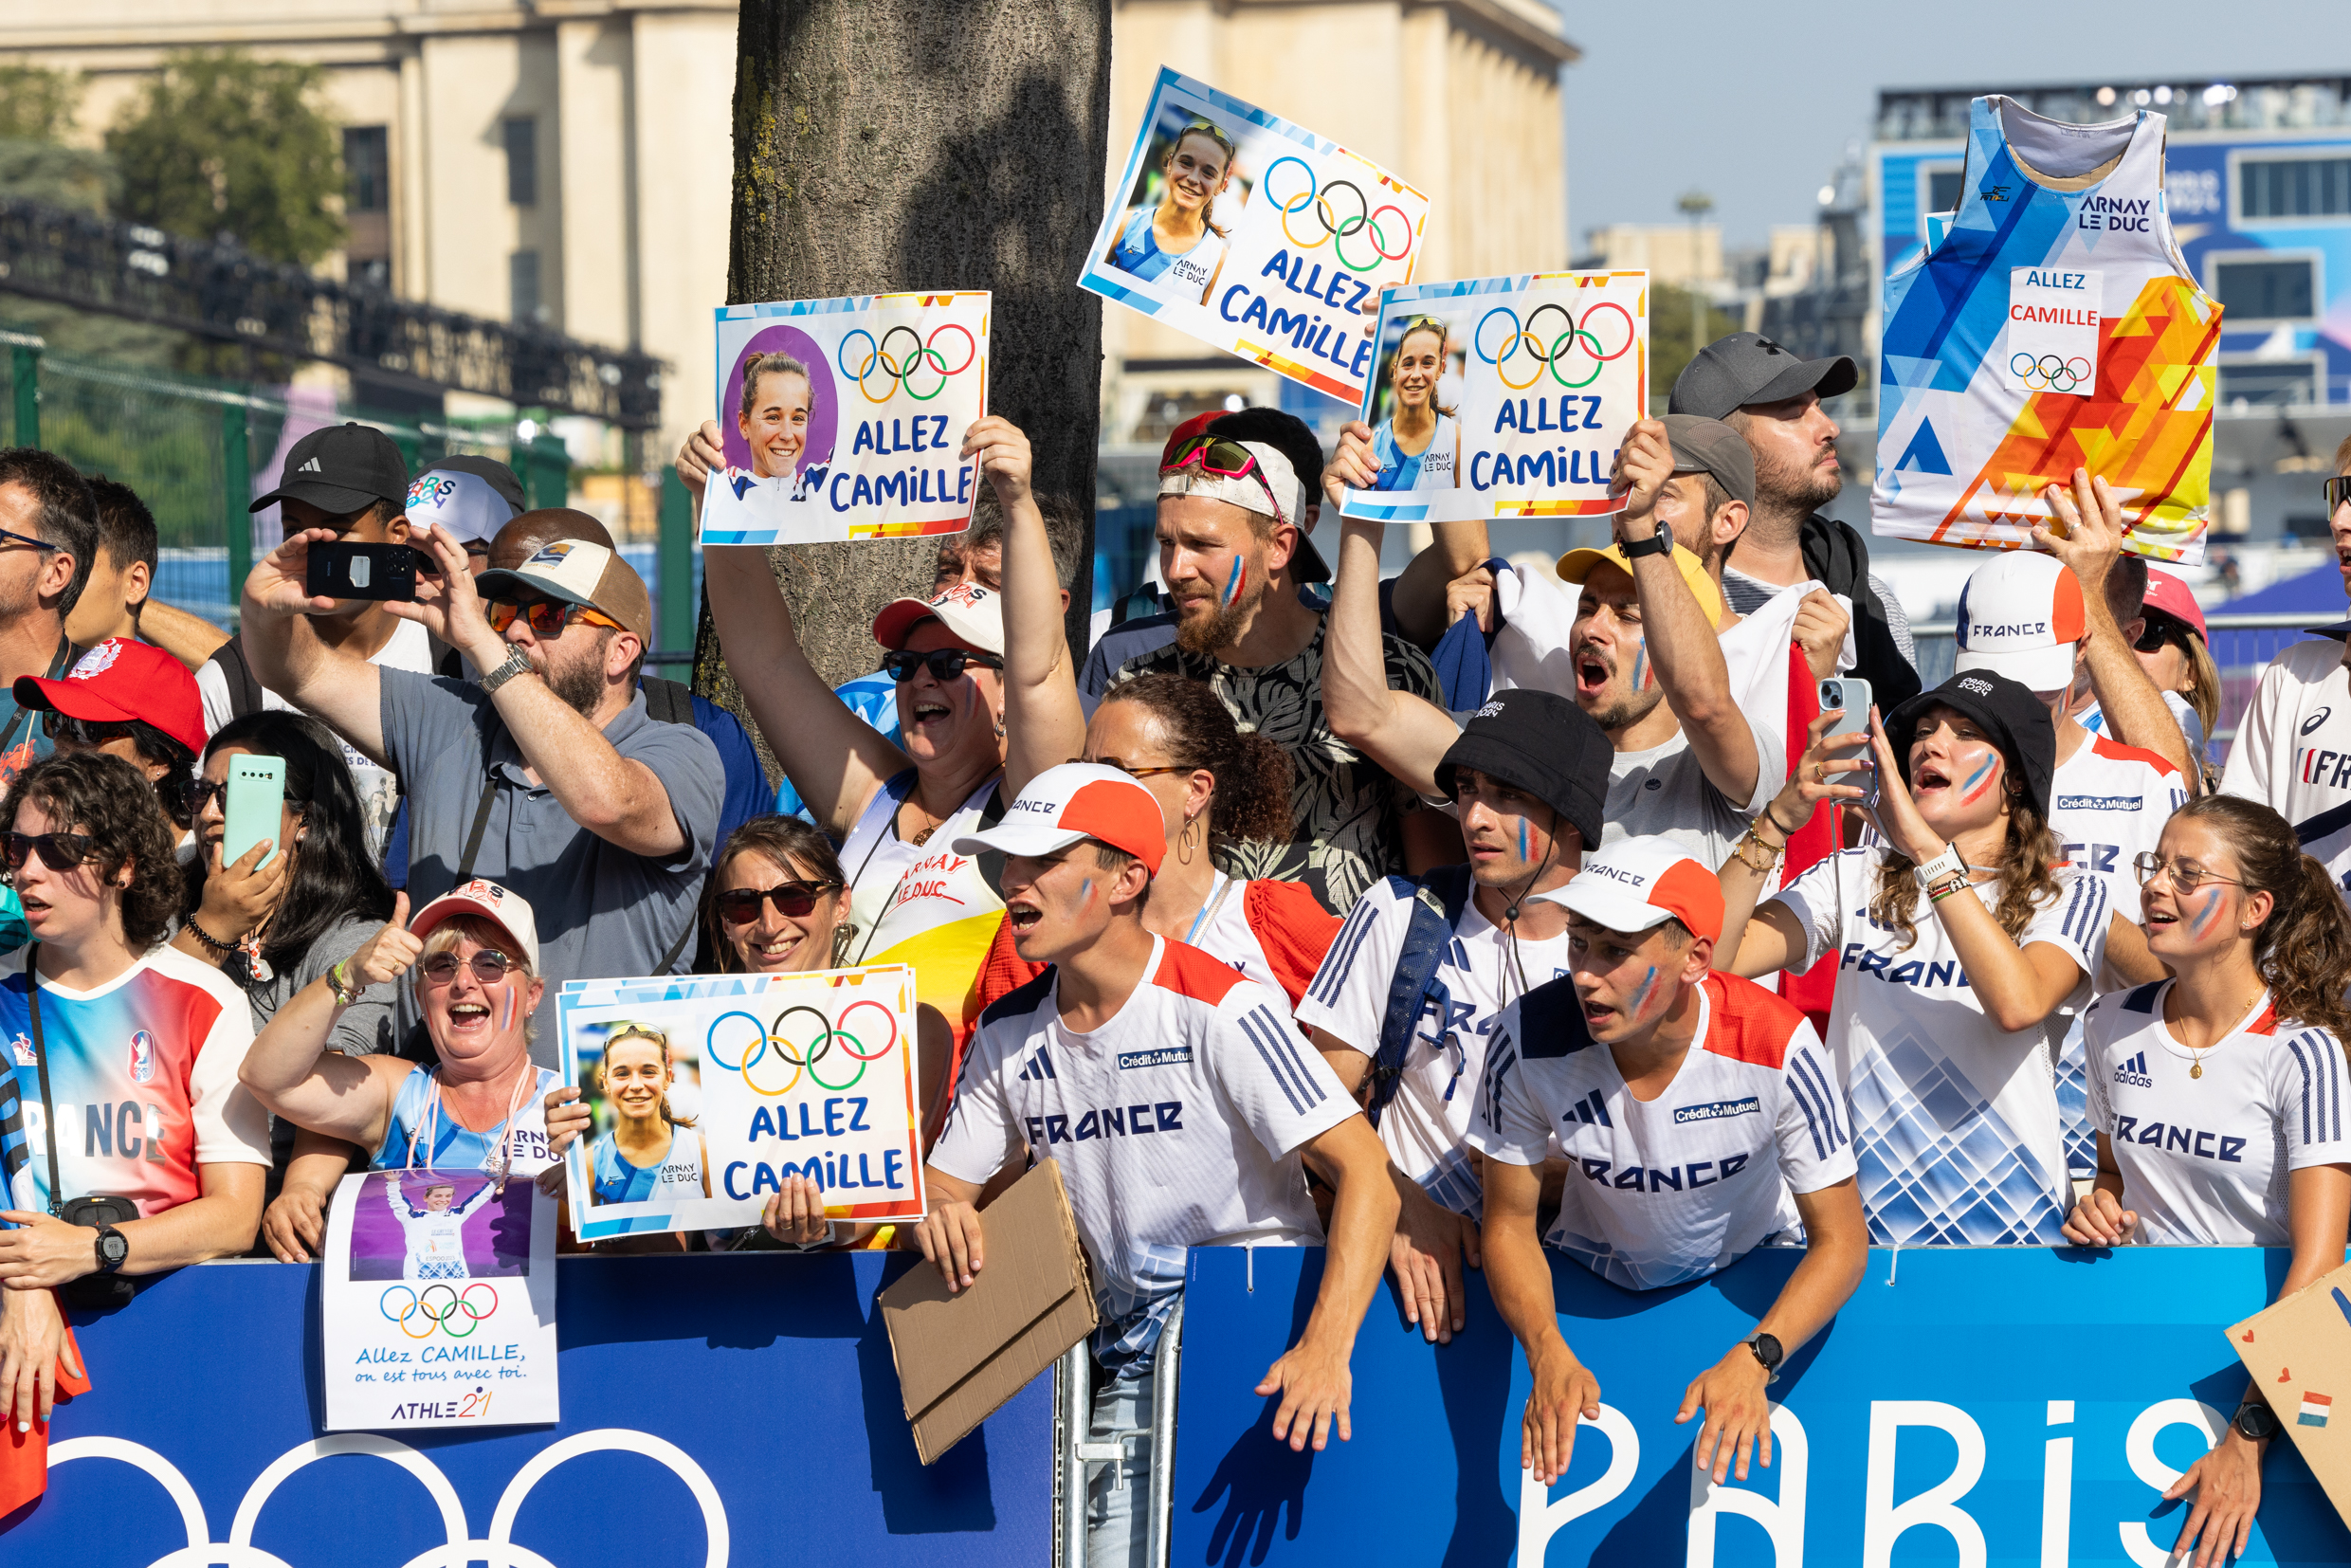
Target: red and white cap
[[119, 680], [486, 900], [973, 615], [1074, 802], [2020, 614], [1638, 884], [2168, 595]]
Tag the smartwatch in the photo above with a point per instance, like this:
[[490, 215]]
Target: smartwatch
[[2254, 1420], [1945, 867], [1767, 1351], [516, 664], [114, 1247], [1659, 543]]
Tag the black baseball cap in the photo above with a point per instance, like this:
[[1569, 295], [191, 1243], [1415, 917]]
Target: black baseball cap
[[342, 469], [1703, 445], [1540, 743], [1747, 367], [2017, 721]]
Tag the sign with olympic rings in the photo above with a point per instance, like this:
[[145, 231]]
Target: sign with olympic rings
[[708, 1095], [2052, 341], [437, 1305], [1256, 236], [1503, 396], [844, 419]]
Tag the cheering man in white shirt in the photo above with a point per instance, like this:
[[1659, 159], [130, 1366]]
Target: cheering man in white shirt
[[1181, 1103], [1700, 1119]]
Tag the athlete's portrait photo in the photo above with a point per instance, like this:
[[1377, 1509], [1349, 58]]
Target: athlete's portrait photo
[[1187, 197], [649, 1148], [1417, 385], [780, 417], [420, 1226]]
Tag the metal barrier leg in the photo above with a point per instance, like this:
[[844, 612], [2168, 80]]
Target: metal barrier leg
[[1168, 1368], [1073, 1414]]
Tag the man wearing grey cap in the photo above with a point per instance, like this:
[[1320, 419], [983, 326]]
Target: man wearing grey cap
[[1774, 399]]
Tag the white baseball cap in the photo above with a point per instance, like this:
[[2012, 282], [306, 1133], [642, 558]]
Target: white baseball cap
[[1279, 495], [2020, 615], [1072, 802], [1638, 884], [509, 912], [973, 615], [471, 497]]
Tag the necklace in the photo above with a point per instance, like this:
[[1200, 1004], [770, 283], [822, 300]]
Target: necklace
[[2195, 1066], [428, 1126]]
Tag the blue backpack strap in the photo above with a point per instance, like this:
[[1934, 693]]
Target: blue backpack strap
[[1438, 900]]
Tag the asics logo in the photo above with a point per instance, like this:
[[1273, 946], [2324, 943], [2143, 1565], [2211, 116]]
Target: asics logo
[[2315, 720]]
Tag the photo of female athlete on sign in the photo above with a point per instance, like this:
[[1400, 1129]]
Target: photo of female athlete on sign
[[650, 1152], [779, 399], [1418, 445], [1177, 242]]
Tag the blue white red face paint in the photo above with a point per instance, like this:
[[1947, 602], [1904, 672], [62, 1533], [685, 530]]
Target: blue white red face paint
[[1978, 783], [1640, 666], [2206, 913], [1235, 581], [505, 1012], [1522, 851], [1641, 995]]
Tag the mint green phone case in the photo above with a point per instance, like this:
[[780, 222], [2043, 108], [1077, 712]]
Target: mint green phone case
[[256, 805]]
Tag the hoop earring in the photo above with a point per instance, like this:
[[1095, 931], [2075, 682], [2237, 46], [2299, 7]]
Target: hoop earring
[[1184, 840]]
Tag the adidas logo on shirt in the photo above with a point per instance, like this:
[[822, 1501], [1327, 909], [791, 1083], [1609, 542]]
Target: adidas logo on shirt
[[1037, 1069], [2134, 1072], [1590, 1110]]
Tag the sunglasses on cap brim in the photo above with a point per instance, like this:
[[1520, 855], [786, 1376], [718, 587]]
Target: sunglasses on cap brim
[[1226, 458]]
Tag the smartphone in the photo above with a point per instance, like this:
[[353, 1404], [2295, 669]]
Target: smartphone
[[255, 806], [340, 571], [1851, 694]]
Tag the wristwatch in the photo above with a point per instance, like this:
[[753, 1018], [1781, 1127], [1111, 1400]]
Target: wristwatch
[[1659, 543], [113, 1248], [2254, 1420], [1945, 868], [1766, 1348], [516, 664]]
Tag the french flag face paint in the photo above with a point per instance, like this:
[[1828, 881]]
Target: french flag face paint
[[1641, 995], [1640, 666], [505, 1012], [1235, 582], [1978, 784], [2208, 912], [1522, 851]]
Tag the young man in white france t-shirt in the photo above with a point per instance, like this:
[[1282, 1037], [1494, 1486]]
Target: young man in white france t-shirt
[[1527, 777], [1700, 1119], [1181, 1104]]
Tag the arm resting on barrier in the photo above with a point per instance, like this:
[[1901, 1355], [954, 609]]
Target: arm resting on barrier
[[950, 1233], [1312, 1376], [1518, 1274], [45, 1251], [295, 1224], [2099, 1219]]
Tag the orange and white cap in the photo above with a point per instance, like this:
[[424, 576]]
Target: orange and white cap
[[1638, 884], [2020, 613], [509, 912], [973, 615], [1074, 802]]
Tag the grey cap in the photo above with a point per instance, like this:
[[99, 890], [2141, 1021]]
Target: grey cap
[[1710, 446], [1747, 367]]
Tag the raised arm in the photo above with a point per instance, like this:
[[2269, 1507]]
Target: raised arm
[[1044, 722], [329, 683], [1404, 733], [189, 638], [1312, 1376], [293, 1074]]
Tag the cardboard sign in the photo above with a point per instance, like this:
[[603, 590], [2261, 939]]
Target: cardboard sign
[[1500, 397], [961, 1357], [706, 1092], [1255, 236], [2052, 330], [2299, 1353], [438, 1307], [842, 419]]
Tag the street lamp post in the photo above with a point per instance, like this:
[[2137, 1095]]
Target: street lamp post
[[1697, 203]]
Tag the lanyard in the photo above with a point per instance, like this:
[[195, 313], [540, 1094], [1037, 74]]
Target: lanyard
[[41, 1054], [1208, 910], [428, 1126]]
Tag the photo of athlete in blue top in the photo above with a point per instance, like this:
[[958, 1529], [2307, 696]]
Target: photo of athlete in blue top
[[1178, 243], [1418, 445], [650, 1152]]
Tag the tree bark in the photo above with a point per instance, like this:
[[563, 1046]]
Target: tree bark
[[882, 145]]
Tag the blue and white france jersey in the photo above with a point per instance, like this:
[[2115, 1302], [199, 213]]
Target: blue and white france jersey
[[1136, 250], [2292, 749], [1955, 1129], [2205, 1159], [1177, 1124], [1432, 468], [1426, 1125], [677, 1174], [416, 1113], [1673, 1187]]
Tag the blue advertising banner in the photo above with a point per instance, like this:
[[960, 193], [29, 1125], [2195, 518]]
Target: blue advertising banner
[[1982, 1406], [742, 1409]]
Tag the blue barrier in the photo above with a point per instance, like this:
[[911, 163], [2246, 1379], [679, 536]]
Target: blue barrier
[[2065, 1376], [734, 1410]]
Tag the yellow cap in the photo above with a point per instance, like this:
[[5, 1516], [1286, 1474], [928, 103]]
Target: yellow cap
[[1576, 565]]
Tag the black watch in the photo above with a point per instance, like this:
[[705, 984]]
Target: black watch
[[2254, 1420], [1767, 1351], [1659, 543], [112, 1249]]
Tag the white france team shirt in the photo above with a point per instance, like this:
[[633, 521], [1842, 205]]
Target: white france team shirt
[[1425, 1126], [2292, 749], [1955, 1122], [2205, 1160], [1177, 1124], [1677, 1187], [2108, 803]]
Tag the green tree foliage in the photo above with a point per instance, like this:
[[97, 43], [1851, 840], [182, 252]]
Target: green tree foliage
[[1669, 345], [221, 142], [38, 104]]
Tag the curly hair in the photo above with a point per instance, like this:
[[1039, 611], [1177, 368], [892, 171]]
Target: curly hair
[[110, 800], [2028, 883], [1252, 798], [791, 845], [2303, 951]]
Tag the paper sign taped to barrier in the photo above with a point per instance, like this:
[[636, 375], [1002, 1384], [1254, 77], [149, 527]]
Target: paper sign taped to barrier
[[2299, 1353], [1256, 236], [706, 1092], [1505, 397], [842, 419], [438, 1308]]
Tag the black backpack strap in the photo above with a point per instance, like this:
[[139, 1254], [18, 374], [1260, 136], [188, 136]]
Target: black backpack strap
[[244, 689], [668, 701], [1438, 900]]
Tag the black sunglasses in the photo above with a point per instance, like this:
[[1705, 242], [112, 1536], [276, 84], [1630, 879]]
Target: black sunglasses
[[946, 663], [2337, 491], [796, 899], [2158, 633], [196, 793], [58, 851], [84, 732], [489, 967]]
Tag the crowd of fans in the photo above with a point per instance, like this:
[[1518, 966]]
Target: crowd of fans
[[1443, 920]]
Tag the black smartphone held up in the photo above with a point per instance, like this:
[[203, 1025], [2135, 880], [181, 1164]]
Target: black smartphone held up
[[340, 571]]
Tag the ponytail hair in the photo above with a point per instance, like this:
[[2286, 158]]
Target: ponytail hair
[[647, 1031], [1202, 128], [2303, 951], [1252, 798]]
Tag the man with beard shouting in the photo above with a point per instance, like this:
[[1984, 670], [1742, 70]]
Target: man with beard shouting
[[1228, 543], [547, 777]]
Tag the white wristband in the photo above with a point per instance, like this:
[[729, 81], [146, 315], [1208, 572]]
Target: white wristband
[[1948, 863]]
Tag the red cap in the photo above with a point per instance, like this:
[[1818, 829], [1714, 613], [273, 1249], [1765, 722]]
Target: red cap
[[121, 680], [1197, 424], [2168, 595]]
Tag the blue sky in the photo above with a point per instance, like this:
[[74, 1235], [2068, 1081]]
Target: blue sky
[[1753, 103]]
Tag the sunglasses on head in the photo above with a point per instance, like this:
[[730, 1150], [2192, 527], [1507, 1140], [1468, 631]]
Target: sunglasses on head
[[945, 664], [2337, 492], [548, 617], [58, 851], [793, 899], [84, 732], [1214, 454], [489, 967]]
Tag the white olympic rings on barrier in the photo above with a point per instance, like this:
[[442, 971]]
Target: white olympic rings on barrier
[[499, 1549]]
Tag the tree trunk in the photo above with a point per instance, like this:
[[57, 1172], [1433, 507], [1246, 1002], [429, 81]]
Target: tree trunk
[[882, 145]]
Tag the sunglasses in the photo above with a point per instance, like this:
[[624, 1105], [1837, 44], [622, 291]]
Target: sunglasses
[[794, 900], [58, 851], [945, 664], [199, 793], [548, 617], [489, 967], [83, 731], [1226, 458], [2337, 491], [2158, 633]]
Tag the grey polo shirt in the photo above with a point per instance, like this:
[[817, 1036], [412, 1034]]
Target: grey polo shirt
[[602, 911]]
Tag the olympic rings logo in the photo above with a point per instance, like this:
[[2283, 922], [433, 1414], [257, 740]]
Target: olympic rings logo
[[2049, 372], [897, 362], [442, 1315], [748, 1051], [1337, 231], [1554, 354]]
